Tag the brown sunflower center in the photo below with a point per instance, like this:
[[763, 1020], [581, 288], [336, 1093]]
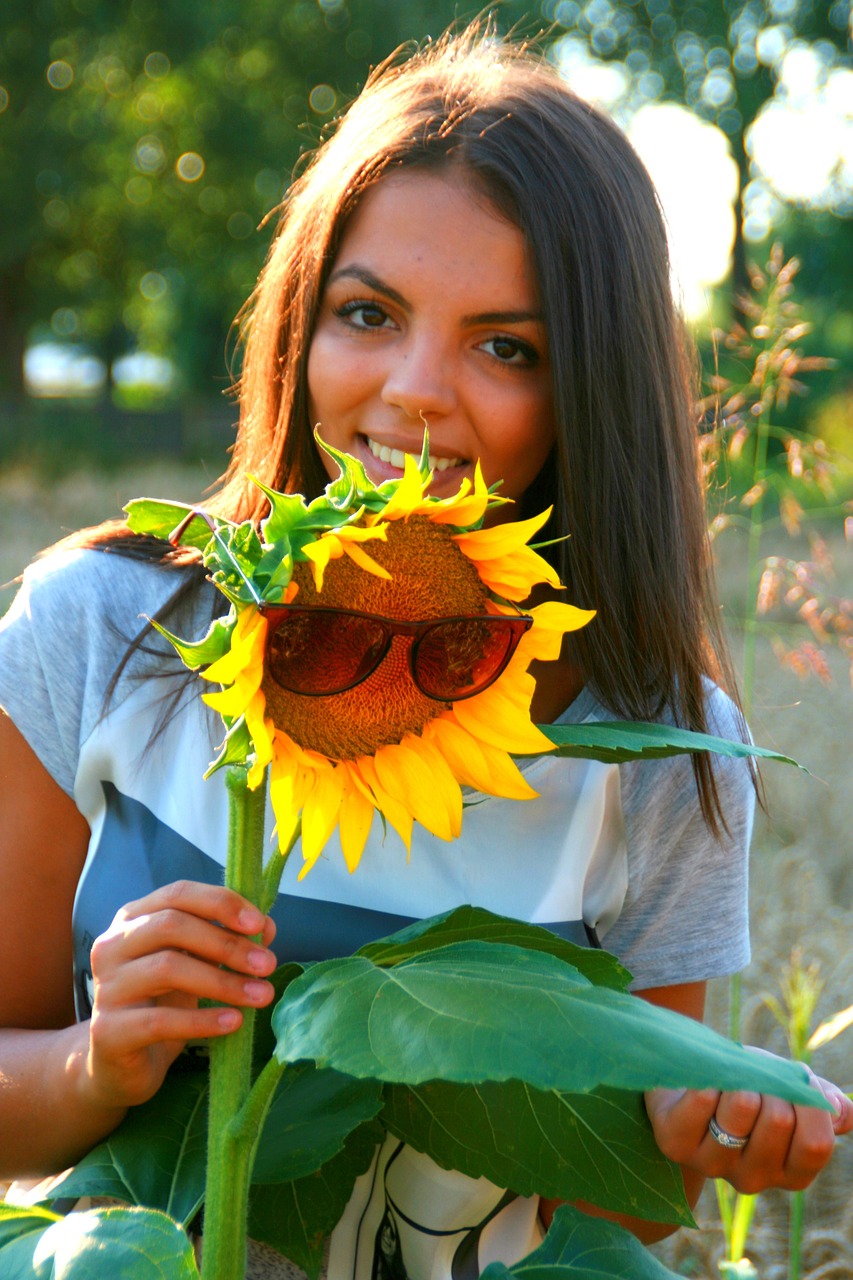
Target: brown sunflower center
[[431, 578]]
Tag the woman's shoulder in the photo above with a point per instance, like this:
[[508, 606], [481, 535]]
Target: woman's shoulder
[[81, 576]]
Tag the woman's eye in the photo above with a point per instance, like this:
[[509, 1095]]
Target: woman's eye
[[363, 315], [511, 350]]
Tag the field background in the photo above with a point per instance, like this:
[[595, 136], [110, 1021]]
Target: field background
[[802, 870]]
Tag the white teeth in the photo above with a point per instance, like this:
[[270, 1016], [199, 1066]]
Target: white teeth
[[397, 457]]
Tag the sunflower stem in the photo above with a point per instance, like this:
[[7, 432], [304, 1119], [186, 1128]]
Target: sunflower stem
[[231, 1147]]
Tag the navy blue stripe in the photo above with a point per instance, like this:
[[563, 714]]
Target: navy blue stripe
[[138, 853]]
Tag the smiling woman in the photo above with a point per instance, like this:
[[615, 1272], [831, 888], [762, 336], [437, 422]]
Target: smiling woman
[[477, 250], [440, 324]]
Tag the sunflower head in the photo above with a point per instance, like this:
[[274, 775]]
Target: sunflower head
[[378, 552]]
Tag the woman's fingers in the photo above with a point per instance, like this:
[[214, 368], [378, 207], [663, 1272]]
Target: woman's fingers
[[167, 931], [163, 972], [208, 901], [753, 1140]]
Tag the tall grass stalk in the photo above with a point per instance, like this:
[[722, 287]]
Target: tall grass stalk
[[744, 423]]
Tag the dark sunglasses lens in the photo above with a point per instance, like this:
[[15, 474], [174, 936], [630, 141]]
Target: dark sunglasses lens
[[317, 653], [461, 657]]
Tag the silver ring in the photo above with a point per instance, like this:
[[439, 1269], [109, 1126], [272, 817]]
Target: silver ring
[[725, 1139]]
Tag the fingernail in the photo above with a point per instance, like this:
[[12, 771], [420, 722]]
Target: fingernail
[[258, 960], [251, 920], [228, 1019], [256, 991]]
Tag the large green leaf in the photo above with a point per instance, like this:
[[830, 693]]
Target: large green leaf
[[156, 1157], [574, 1146], [296, 1217], [578, 1247], [470, 924], [312, 1114], [476, 1011], [124, 1244], [158, 519], [617, 741]]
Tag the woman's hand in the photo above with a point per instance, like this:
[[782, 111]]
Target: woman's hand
[[787, 1145], [159, 957]]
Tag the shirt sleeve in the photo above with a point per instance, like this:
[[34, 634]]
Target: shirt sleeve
[[685, 917], [61, 642]]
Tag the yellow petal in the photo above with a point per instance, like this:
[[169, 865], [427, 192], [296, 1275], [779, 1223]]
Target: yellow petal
[[320, 553], [262, 733], [493, 717], [233, 702], [409, 495], [476, 763], [551, 621], [404, 772], [515, 576], [356, 818], [320, 813], [462, 510], [358, 533], [282, 794], [501, 539], [248, 640], [364, 561], [393, 810]]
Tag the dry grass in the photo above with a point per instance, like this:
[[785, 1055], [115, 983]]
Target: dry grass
[[802, 870]]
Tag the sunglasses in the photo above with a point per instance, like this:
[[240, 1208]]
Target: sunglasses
[[316, 651]]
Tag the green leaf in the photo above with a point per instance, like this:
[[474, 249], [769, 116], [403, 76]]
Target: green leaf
[[263, 1045], [287, 511], [617, 741], [352, 484], [470, 924], [578, 1247], [594, 1146], [312, 1113], [236, 748], [201, 653], [476, 1011], [296, 1217], [159, 519], [156, 1157], [124, 1244]]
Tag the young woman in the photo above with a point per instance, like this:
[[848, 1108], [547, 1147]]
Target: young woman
[[479, 250]]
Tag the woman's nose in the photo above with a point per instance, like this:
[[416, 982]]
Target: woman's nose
[[421, 381]]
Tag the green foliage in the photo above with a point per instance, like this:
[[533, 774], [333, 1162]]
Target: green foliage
[[473, 1011], [156, 1156], [595, 1146], [126, 1244], [578, 1247], [618, 741], [474, 924], [296, 1217]]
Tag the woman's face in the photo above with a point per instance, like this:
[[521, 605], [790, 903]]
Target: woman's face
[[432, 316]]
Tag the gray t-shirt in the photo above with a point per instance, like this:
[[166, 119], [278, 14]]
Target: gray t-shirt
[[622, 848]]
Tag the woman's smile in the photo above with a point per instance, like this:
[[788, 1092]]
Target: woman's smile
[[431, 317]]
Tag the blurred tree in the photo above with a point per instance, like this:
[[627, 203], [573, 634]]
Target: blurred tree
[[141, 147], [720, 58], [142, 144]]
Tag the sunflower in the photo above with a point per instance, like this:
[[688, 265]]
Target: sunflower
[[393, 551]]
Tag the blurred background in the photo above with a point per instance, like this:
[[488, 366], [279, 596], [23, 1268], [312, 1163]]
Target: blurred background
[[144, 147]]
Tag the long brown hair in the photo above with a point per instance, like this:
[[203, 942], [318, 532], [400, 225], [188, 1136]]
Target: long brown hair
[[623, 476]]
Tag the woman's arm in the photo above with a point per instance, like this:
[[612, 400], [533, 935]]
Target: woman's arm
[[65, 1085], [787, 1147]]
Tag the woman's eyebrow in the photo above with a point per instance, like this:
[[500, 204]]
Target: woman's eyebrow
[[366, 277], [504, 317]]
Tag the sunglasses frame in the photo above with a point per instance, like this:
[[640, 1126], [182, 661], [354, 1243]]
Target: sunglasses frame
[[517, 625]]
